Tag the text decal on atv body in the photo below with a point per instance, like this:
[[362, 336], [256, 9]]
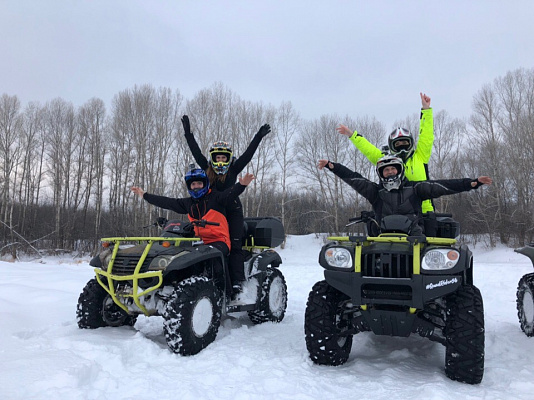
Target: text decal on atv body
[[443, 282]]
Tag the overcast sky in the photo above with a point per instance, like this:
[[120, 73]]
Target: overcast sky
[[351, 58]]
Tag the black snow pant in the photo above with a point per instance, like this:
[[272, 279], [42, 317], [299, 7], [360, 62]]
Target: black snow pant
[[223, 248], [236, 261]]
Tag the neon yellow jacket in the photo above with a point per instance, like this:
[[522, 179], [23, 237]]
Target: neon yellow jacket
[[414, 167]]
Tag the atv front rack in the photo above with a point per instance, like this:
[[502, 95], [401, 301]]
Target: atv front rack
[[112, 279]]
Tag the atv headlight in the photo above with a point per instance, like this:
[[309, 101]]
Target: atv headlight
[[338, 257], [437, 259], [161, 262]]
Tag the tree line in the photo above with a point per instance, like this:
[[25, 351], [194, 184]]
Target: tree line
[[65, 172]]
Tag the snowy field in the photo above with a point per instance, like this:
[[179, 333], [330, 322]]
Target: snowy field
[[43, 354]]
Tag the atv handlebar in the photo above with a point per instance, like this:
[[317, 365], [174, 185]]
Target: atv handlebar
[[162, 221], [365, 216], [202, 223]]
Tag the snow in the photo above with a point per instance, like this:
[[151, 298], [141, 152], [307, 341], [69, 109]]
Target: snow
[[43, 353]]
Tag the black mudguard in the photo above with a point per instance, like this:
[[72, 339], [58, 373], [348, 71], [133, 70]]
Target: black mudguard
[[198, 254], [527, 251], [259, 262]]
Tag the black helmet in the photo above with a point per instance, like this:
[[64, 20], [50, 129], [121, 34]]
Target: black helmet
[[220, 148], [394, 181], [195, 175], [403, 151]]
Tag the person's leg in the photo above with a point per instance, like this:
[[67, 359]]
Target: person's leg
[[236, 260], [219, 266]]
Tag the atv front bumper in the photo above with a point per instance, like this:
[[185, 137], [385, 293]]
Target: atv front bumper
[[412, 292]]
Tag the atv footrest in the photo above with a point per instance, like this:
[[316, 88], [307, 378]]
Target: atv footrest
[[231, 308]]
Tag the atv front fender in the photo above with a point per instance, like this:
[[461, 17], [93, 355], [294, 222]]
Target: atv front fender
[[527, 251], [197, 255]]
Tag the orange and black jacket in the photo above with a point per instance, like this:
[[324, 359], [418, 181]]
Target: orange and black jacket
[[210, 207]]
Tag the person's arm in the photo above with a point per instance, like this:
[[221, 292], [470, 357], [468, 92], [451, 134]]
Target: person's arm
[[435, 189], [179, 206], [227, 196], [240, 163], [369, 150], [363, 186], [423, 150], [200, 159]]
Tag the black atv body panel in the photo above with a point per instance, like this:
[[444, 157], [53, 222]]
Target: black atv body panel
[[528, 251]]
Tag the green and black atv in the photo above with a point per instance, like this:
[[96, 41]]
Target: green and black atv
[[525, 294], [395, 284], [174, 276]]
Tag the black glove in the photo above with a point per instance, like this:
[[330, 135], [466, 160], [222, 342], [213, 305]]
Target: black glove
[[185, 123], [478, 183], [264, 130], [328, 165]]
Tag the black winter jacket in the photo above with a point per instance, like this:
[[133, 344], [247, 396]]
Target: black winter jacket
[[403, 201], [236, 166]]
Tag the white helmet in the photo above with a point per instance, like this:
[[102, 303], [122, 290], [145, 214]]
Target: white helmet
[[392, 181], [403, 151]]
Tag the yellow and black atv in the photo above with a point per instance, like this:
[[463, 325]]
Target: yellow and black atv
[[178, 277], [525, 294], [396, 284]]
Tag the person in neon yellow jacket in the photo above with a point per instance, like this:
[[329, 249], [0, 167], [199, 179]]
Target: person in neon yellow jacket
[[401, 144]]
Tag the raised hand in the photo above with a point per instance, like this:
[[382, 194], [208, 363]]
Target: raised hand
[[425, 100], [322, 163], [481, 180], [138, 191], [343, 130], [186, 125], [245, 180], [486, 180], [264, 130]]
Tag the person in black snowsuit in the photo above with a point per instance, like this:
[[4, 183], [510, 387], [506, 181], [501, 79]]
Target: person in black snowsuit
[[222, 169], [204, 203], [395, 195]]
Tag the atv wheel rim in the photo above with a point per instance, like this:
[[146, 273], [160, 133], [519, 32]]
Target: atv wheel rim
[[276, 296], [111, 313], [528, 307], [202, 316]]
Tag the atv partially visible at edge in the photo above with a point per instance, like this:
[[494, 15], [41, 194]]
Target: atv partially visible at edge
[[525, 294]]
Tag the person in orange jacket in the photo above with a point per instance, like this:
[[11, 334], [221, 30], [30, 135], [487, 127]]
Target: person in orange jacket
[[203, 203]]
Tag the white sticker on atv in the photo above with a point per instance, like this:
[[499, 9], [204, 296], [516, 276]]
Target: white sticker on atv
[[443, 282]]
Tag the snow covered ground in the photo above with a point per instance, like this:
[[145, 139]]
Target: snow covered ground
[[43, 354]]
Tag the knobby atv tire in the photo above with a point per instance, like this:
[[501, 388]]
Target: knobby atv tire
[[95, 309], [525, 304], [464, 333], [325, 339], [192, 316], [273, 301]]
